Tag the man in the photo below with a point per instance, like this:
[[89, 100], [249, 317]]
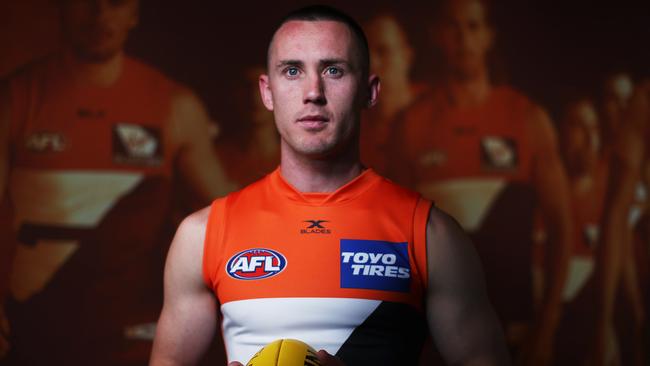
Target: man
[[629, 157], [322, 249], [392, 58], [626, 335], [587, 170], [617, 91], [489, 156], [90, 138]]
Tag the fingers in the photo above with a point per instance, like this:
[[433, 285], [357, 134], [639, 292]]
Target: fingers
[[328, 360]]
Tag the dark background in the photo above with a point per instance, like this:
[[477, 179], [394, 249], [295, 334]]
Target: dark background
[[548, 49]]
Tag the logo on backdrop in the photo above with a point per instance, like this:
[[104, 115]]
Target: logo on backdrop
[[136, 145], [46, 142], [499, 153]]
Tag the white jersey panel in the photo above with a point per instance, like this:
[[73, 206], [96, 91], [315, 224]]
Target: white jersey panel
[[467, 200], [67, 198], [323, 323]]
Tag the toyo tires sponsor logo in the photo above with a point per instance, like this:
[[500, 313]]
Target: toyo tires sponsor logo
[[375, 265], [255, 264]]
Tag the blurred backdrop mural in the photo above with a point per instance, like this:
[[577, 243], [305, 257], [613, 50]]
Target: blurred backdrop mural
[[529, 122]]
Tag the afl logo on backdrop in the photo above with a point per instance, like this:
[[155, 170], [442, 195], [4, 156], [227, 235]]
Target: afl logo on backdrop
[[255, 264]]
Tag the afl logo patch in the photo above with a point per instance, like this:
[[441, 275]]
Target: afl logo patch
[[255, 264]]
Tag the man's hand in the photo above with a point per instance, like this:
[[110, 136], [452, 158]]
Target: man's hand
[[324, 358], [328, 360]]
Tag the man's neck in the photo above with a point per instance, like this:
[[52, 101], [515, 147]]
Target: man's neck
[[309, 175], [468, 91], [103, 73]]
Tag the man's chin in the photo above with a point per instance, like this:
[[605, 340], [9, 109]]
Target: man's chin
[[313, 151], [97, 55]]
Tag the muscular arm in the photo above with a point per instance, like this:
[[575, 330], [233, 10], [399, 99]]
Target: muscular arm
[[462, 321], [188, 320], [192, 134], [552, 189]]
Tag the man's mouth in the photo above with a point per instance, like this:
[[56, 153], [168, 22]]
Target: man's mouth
[[313, 121]]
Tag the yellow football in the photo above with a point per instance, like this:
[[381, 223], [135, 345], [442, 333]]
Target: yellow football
[[285, 352]]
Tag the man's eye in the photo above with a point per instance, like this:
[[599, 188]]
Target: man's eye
[[334, 71], [292, 71]]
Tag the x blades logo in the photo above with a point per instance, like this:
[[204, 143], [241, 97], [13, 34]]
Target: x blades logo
[[315, 227]]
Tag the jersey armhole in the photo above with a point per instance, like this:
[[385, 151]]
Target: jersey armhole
[[213, 238], [420, 220]]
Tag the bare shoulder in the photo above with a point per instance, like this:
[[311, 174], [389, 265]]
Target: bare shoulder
[[195, 224], [190, 236], [445, 235], [441, 223], [189, 119], [541, 131], [184, 97], [453, 265], [183, 271]]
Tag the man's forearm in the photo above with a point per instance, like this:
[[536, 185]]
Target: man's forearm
[[557, 265], [611, 250]]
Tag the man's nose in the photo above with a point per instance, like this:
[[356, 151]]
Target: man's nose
[[315, 90]]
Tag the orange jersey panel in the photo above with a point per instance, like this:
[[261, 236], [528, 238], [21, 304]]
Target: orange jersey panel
[[308, 230], [437, 141], [60, 124], [342, 271]]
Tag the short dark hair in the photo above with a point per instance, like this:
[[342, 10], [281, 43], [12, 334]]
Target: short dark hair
[[314, 13]]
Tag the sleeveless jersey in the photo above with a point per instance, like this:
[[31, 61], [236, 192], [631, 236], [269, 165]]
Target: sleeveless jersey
[[342, 271], [475, 163], [376, 132], [90, 183]]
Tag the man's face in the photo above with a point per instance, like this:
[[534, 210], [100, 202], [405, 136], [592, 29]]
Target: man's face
[[580, 138], [97, 29], [618, 90], [389, 50], [315, 86], [464, 37]]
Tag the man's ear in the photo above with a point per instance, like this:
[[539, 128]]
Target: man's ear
[[374, 86], [265, 92]]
